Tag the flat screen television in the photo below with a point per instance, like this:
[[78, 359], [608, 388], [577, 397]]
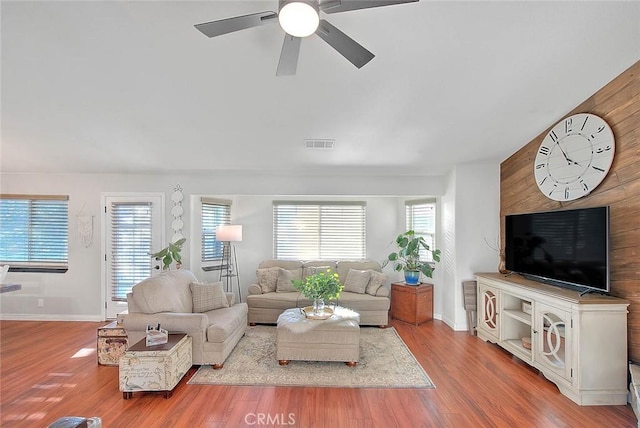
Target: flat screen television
[[567, 248]]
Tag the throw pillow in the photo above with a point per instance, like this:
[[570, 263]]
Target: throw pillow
[[356, 281], [376, 281], [167, 291], [207, 297], [284, 279], [268, 278]]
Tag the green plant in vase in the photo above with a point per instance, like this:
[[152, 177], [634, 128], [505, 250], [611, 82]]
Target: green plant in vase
[[170, 253], [407, 257], [319, 287]]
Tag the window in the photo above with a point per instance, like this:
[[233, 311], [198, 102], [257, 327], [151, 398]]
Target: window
[[319, 230], [421, 218], [34, 233], [214, 213], [131, 244], [133, 225]]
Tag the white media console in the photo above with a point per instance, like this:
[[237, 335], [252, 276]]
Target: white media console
[[577, 342]]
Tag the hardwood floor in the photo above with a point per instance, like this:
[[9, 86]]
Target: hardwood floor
[[49, 370]]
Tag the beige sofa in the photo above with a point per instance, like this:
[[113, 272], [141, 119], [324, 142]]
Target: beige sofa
[[175, 300], [267, 302]]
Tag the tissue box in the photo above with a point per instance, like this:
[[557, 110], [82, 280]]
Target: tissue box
[[157, 337]]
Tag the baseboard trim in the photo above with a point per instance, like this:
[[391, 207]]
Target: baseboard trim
[[50, 317]]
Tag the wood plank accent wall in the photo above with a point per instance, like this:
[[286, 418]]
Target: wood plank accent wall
[[619, 104]]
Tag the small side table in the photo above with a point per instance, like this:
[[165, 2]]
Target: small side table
[[112, 342], [412, 303]]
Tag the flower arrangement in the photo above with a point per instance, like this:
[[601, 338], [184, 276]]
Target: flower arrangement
[[323, 285]]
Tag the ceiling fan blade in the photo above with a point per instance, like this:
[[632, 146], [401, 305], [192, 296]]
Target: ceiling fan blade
[[288, 63], [335, 6], [345, 45], [229, 25]]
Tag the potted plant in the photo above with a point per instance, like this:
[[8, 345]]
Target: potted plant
[[407, 257], [319, 287], [170, 253]]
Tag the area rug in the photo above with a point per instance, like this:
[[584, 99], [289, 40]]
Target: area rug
[[385, 362]]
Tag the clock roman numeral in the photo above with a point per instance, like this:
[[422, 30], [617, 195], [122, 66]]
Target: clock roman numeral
[[567, 125], [543, 180], [584, 123], [566, 192], [554, 189], [597, 169], [599, 130], [553, 136], [584, 186], [544, 150], [541, 165], [601, 150]]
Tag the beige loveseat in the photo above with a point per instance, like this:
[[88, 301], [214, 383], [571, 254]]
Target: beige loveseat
[[175, 300], [272, 293]]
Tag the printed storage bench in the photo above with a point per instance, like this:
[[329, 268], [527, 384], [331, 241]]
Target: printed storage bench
[[155, 368], [112, 342]]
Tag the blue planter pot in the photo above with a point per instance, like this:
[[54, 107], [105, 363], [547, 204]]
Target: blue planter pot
[[412, 277]]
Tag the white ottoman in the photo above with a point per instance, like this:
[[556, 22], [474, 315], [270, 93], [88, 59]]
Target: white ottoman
[[333, 339]]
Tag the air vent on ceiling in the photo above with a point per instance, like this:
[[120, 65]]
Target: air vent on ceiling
[[319, 144]]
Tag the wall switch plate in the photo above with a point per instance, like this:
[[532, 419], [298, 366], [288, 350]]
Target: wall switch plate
[[41, 303]]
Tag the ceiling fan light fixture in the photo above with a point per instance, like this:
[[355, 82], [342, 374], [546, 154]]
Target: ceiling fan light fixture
[[299, 18]]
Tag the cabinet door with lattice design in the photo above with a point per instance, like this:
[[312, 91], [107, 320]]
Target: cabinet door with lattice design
[[552, 335], [488, 315]]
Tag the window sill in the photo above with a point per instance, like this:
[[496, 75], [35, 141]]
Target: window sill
[[35, 269]]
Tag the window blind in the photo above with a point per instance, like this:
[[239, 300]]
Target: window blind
[[421, 218], [319, 230], [131, 241], [214, 213], [34, 232]]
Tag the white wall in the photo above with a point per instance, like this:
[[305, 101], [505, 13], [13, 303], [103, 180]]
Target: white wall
[[470, 224], [255, 214], [77, 294], [445, 292]]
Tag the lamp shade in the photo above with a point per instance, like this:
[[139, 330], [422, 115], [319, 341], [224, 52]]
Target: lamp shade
[[299, 18], [229, 233]]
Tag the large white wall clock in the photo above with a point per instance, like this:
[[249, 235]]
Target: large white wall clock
[[574, 157]]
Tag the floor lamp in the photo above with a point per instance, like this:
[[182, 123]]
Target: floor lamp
[[227, 234]]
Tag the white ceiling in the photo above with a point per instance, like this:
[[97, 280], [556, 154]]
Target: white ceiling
[[116, 86]]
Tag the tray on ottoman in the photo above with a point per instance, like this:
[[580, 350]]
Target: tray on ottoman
[[155, 368], [334, 339]]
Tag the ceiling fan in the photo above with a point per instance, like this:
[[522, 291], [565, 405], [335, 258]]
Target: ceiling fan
[[300, 18]]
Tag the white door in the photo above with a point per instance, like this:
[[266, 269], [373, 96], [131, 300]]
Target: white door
[[133, 228]]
